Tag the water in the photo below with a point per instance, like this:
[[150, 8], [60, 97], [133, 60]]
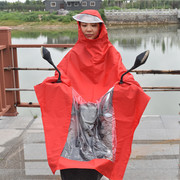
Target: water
[[162, 41]]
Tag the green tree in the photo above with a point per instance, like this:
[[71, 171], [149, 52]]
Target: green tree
[[111, 2], [27, 2], [105, 3]]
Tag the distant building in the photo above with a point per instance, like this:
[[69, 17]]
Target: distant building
[[54, 5]]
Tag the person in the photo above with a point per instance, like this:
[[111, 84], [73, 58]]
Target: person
[[90, 26], [89, 119]]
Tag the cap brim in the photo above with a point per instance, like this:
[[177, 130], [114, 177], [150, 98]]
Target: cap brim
[[87, 18]]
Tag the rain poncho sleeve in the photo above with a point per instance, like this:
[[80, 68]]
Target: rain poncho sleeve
[[89, 119]]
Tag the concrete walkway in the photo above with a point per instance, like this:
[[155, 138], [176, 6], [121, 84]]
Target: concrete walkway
[[155, 151]]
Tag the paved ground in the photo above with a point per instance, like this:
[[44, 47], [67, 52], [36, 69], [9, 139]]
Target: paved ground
[[155, 154]]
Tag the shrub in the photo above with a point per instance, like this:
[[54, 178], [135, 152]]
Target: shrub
[[10, 16], [66, 19], [101, 11], [30, 18], [113, 7], [49, 17]]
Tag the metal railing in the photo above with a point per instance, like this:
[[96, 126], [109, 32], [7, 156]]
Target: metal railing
[[16, 89], [3, 105]]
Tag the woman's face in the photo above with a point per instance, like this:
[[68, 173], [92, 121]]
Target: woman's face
[[90, 30]]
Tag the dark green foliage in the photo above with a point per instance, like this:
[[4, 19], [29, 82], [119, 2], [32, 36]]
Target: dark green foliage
[[30, 17], [19, 16], [11, 16], [101, 11], [113, 7], [67, 19], [19, 6], [52, 17], [49, 17]]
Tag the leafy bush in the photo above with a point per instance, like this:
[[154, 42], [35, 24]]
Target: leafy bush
[[10, 16], [72, 13], [113, 7], [49, 17], [67, 19], [101, 11], [30, 18], [20, 17], [54, 17]]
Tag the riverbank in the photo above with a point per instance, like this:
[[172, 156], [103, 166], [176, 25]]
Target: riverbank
[[42, 26], [72, 27], [113, 17]]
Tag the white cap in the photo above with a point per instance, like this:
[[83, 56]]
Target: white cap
[[87, 18]]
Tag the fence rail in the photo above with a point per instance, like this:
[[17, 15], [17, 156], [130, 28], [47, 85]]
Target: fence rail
[[139, 16], [39, 45], [9, 77], [143, 11], [172, 72]]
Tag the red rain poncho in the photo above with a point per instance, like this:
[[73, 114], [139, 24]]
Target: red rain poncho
[[91, 68]]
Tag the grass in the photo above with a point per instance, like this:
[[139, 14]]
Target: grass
[[22, 17], [38, 18], [10, 23], [39, 25]]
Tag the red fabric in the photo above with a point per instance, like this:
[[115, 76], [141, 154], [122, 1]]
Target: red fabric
[[91, 67]]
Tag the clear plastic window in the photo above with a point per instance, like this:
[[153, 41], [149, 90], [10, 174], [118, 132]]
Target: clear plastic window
[[92, 129]]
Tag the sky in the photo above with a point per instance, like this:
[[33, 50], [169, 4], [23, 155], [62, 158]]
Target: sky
[[13, 0]]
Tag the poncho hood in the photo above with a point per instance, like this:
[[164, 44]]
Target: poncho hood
[[92, 67], [92, 12], [103, 36]]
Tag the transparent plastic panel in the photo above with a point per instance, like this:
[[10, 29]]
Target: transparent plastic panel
[[92, 129]]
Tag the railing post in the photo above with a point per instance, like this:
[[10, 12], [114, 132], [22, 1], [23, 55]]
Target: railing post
[[2, 85], [16, 74], [1, 106], [5, 39]]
